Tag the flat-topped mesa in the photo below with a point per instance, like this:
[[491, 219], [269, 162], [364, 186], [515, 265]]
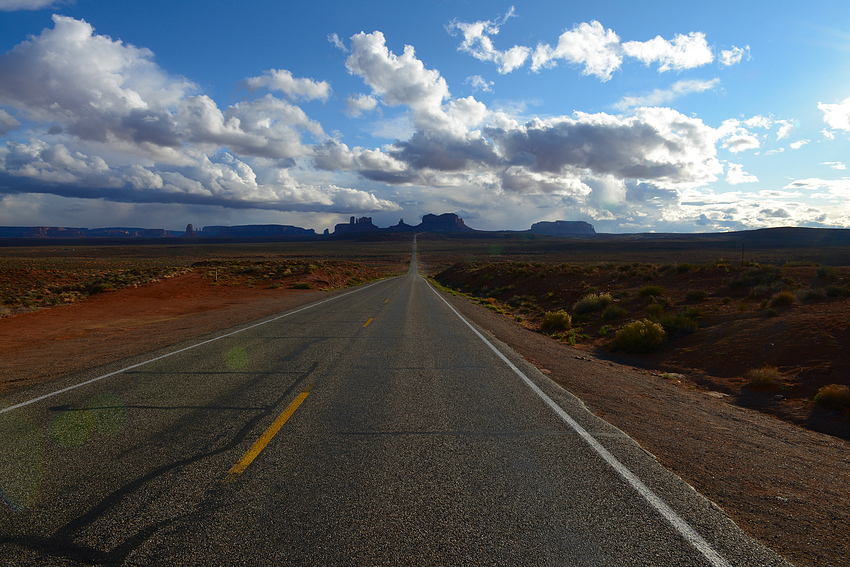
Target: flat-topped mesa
[[363, 224], [447, 222], [255, 231], [562, 228]]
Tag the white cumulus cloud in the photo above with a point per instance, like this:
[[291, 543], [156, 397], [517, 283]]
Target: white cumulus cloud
[[683, 52], [733, 56], [736, 175], [477, 42], [588, 45], [836, 116], [355, 105], [296, 88]]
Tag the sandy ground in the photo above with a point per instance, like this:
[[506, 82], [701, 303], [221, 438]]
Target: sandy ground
[[787, 486]]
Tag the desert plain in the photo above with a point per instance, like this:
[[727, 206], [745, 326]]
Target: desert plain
[[730, 399]]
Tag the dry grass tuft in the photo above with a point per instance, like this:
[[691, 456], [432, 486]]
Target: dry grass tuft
[[835, 396], [556, 320], [763, 377]]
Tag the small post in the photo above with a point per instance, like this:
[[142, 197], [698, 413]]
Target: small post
[[742, 255]]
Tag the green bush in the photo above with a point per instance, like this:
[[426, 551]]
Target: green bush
[[592, 302], [302, 285], [655, 310], [837, 291], [613, 312], [678, 325], [100, 288], [640, 336], [828, 273], [696, 295], [782, 299], [756, 275], [556, 320], [835, 396], [651, 290], [810, 295]]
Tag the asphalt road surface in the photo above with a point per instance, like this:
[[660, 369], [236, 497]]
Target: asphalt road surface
[[374, 427]]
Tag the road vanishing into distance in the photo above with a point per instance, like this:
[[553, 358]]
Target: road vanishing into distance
[[373, 427]]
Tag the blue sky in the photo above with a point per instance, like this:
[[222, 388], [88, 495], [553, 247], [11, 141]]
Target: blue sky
[[635, 117]]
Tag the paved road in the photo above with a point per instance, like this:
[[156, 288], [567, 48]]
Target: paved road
[[373, 428]]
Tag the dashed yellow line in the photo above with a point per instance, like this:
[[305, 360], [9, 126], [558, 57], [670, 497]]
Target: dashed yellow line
[[369, 321], [261, 443]]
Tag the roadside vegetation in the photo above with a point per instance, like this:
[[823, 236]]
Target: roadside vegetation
[[36, 278], [762, 329]]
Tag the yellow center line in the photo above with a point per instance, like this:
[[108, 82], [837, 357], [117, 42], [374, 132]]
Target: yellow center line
[[369, 321], [261, 443], [387, 300]]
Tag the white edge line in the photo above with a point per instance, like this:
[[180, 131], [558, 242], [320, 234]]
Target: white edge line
[[287, 314], [671, 516]]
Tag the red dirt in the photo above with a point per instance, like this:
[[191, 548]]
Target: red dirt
[[114, 325]]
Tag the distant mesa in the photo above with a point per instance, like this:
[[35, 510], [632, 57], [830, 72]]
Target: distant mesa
[[444, 223], [255, 231], [363, 224], [561, 228], [447, 222], [58, 232]]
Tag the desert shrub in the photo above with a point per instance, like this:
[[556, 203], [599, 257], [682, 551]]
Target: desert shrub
[[756, 275], [100, 288], [765, 376], [604, 330], [837, 291], [640, 336], [696, 295], [655, 310], [613, 312], [651, 290], [835, 396], [782, 299], [683, 268], [556, 320], [828, 273], [592, 302], [302, 285], [678, 325], [809, 295], [693, 312], [771, 312]]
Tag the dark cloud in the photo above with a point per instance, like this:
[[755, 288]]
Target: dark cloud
[[618, 149], [443, 152]]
